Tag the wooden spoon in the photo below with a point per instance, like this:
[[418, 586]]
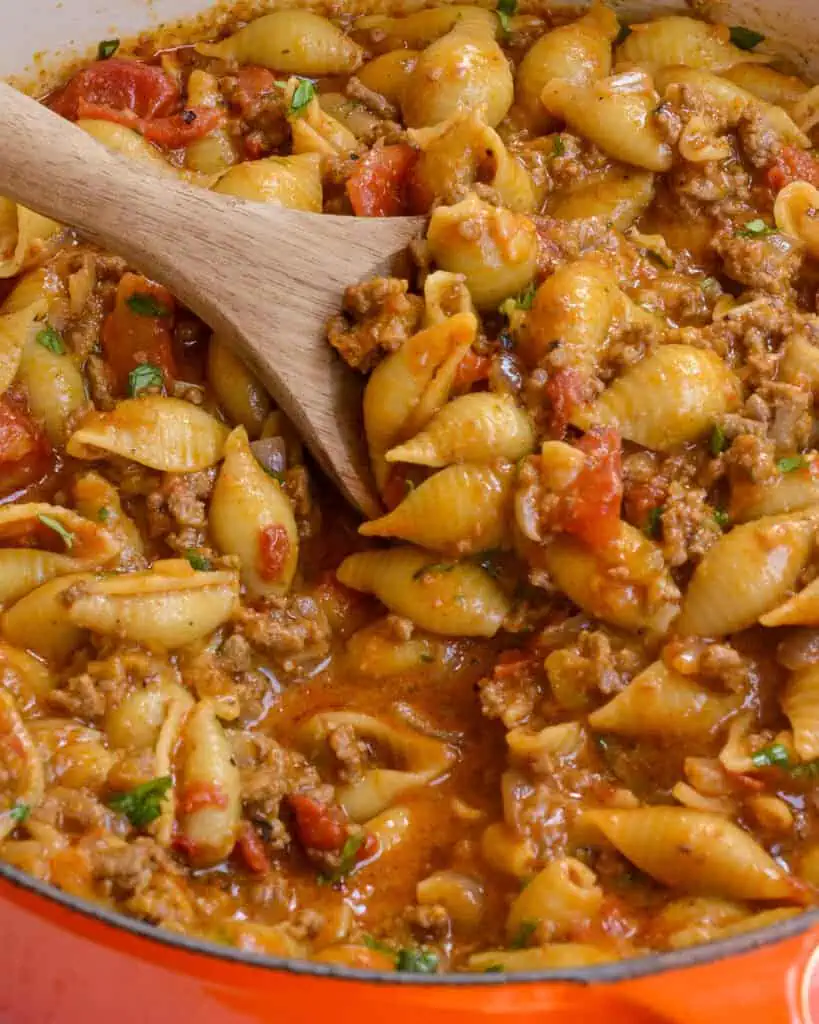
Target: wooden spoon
[[265, 277]]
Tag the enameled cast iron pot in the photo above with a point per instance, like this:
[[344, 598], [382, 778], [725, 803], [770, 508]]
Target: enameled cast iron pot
[[65, 961]]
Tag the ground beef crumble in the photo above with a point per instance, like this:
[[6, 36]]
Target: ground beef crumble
[[379, 316]]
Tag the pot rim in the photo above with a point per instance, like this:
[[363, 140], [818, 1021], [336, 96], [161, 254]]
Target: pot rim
[[621, 970]]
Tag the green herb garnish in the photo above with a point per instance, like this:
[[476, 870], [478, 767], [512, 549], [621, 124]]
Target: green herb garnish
[[756, 228], [653, 522], [526, 298], [144, 377], [505, 10], [144, 304], [53, 524], [622, 35], [302, 96], [197, 561], [791, 463], [142, 804], [416, 961], [347, 859], [520, 940], [745, 38], [774, 755], [19, 813], [558, 146], [377, 945], [808, 770], [722, 518], [51, 339], [104, 514], [433, 569], [107, 48], [717, 442]]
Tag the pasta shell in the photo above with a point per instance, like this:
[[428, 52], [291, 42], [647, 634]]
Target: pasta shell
[[161, 433], [800, 610], [800, 362], [579, 52], [55, 388], [376, 652], [294, 41], [792, 492], [455, 599], [99, 501], [238, 390], [247, 506], [660, 702], [617, 199], [445, 295], [767, 84], [698, 851], [616, 113], [21, 317], [495, 249], [25, 677], [762, 560], [217, 151], [461, 510], [678, 40], [81, 545], [314, 132], [127, 143], [30, 778], [563, 896], [209, 805], [477, 427], [292, 181], [38, 622], [801, 704], [690, 388], [507, 851], [136, 721], [169, 606], [23, 234], [554, 956], [795, 212], [389, 73], [408, 387], [421, 28], [626, 583], [464, 70]]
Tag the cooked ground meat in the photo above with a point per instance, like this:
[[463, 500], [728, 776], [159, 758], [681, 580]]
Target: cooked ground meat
[[378, 317], [752, 457], [591, 664], [125, 869], [428, 922], [73, 811], [718, 663], [100, 383], [294, 629], [165, 902], [769, 263], [177, 511], [511, 698], [373, 101], [689, 527], [350, 752]]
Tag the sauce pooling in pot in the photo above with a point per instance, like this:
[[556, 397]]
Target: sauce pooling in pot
[[559, 705]]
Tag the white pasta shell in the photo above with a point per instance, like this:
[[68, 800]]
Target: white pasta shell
[[698, 851], [767, 84], [616, 113], [169, 606], [689, 388], [660, 702], [419, 29], [461, 510], [795, 211], [86, 545], [25, 677], [617, 199], [38, 622], [292, 181], [29, 780], [136, 721], [23, 234], [801, 704], [792, 492], [477, 427], [22, 315], [562, 897], [238, 390], [745, 575], [389, 73], [540, 958], [208, 770], [800, 610], [678, 40], [99, 501], [455, 599], [408, 387], [295, 41], [161, 433], [246, 502], [55, 388], [626, 583]]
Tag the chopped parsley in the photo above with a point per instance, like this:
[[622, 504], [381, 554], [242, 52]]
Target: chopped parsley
[[791, 463], [808, 770], [756, 228], [526, 298], [520, 940], [53, 524], [144, 304], [558, 146], [433, 569], [51, 339], [142, 804], [772, 756], [493, 969], [722, 518], [416, 961], [745, 38], [347, 859], [505, 10], [19, 813], [107, 48], [377, 945], [653, 522], [104, 514], [197, 561], [144, 377], [302, 96], [622, 35], [717, 442]]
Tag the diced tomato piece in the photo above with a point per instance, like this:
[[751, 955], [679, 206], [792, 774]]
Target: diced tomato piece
[[792, 164], [119, 84], [25, 454], [566, 391], [252, 83], [378, 185], [319, 826], [471, 370], [252, 849], [590, 509], [274, 549], [181, 130], [186, 846], [130, 337], [198, 796], [641, 498], [369, 848]]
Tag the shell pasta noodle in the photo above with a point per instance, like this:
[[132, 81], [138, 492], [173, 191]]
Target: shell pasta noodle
[[557, 705]]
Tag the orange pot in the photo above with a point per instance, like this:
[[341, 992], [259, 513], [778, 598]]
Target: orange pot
[[68, 962]]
